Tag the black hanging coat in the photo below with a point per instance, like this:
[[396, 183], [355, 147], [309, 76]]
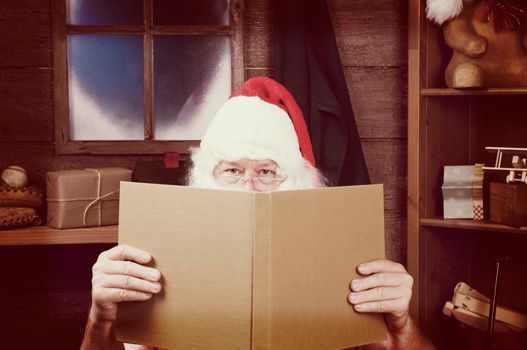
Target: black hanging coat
[[308, 64]]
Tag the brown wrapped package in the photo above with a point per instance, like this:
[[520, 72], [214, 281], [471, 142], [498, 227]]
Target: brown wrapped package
[[82, 198]]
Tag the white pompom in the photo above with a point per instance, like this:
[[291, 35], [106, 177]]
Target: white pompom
[[440, 11]]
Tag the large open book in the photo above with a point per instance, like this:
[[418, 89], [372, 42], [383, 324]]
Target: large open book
[[246, 270]]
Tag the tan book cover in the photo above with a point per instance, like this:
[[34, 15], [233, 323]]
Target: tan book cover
[[247, 270]]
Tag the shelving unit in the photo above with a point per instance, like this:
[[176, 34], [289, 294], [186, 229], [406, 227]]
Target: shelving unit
[[452, 127], [472, 225], [473, 92], [42, 235]]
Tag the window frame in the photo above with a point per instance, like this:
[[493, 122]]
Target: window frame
[[63, 143]]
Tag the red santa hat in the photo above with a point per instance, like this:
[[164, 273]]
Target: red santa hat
[[259, 121]]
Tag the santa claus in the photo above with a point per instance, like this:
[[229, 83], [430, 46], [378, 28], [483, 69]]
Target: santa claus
[[258, 141]]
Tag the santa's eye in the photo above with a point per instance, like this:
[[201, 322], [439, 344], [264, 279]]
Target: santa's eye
[[267, 173], [232, 171]]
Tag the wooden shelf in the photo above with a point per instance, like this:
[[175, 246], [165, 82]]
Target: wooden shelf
[[42, 235], [474, 92], [467, 224]]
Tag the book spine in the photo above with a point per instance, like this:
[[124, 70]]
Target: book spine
[[261, 303]]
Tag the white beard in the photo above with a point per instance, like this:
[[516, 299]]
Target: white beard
[[298, 172]]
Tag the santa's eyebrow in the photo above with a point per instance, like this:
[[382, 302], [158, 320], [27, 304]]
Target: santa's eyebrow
[[231, 163], [267, 163]]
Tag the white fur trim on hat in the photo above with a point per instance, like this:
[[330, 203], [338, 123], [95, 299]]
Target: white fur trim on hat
[[248, 127], [440, 11]]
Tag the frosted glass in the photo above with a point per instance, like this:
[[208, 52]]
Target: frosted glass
[[106, 87], [105, 12], [192, 79], [194, 12]]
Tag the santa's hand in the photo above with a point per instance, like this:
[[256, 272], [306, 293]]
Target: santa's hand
[[387, 289], [118, 275]]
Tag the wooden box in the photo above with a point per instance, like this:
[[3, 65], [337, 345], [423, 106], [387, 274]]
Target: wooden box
[[508, 203]]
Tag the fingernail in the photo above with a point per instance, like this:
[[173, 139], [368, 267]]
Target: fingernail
[[358, 307], [353, 297], [355, 284], [362, 269], [155, 275], [156, 288]]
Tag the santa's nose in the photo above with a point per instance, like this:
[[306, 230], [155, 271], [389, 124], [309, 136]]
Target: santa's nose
[[250, 185]]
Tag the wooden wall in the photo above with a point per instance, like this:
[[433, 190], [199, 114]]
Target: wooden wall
[[45, 296], [372, 41]]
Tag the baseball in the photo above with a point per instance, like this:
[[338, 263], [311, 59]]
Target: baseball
[[14, 176]]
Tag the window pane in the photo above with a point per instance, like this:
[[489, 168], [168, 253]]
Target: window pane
[[106, 87], [192, 79], [193, 12], [100, 12]]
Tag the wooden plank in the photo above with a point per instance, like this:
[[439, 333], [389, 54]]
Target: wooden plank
[[105, 29], [156, 30], [27, 104], [371, 33], [60, 72], [386, 162], [357, 24], [258, 30], [257, 72], [378, 96], [486, 226], [237, 43], [148, 67], [191, 30], [395, 234], [41, 235], [25, 33], [473, 92], [38, 158], [125, 147], [416, 158]]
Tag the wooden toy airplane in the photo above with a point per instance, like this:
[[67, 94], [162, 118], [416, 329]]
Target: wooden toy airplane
[[518, 171]]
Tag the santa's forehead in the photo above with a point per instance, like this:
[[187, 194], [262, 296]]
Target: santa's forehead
[[247, 162]]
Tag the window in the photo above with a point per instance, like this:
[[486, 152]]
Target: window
[[142, 76]]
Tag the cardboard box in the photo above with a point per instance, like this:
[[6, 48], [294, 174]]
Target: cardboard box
[[82, 198], [463, 192], [246, 270], [508, 203]]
